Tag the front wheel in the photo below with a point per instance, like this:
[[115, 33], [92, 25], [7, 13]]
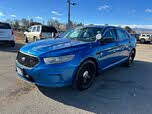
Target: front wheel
[[85, 75], [130, 60], [142, 41]]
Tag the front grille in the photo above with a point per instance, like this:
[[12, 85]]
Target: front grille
[[27, 60]]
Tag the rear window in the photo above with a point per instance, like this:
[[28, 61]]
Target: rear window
[[5, 26], [48, 29]]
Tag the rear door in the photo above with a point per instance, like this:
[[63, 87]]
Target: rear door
[[38, 32], [123, 42], [5, 31]]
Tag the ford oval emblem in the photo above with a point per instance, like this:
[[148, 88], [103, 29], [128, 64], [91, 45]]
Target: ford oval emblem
[[23, 59]]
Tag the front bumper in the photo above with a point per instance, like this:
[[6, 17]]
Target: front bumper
[[56, 75]]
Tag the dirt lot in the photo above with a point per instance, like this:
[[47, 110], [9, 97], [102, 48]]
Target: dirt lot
[[119, 90]]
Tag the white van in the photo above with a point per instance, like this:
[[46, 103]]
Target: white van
[[38, 32], [6, 34], [145, 38]]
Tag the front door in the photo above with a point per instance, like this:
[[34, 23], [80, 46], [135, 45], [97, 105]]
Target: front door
[[29, 32], [108, 53]]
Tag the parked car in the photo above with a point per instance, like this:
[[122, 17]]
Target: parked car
[[145, 38], [6, 34], [77, 58], [136, 36], [38, 32]]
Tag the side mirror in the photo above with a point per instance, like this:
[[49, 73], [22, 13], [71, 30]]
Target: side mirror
[[107, 40], [98, 37]]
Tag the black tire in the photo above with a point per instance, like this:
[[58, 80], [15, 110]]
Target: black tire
[[35, 39], [12, 44], [142, 41], [130, 60], [25, 39], [85, 75]]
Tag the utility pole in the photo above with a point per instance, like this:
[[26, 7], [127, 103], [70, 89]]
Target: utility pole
[[69, 12]]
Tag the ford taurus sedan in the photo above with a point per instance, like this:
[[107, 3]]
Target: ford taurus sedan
[[76, 58]]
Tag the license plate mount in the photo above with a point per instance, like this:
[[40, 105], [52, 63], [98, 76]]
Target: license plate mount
[[20, 71]]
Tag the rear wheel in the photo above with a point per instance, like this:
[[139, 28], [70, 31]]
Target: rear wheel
[[131, 57], [35, 39], [25, 39], [142, 41], [85, 75]]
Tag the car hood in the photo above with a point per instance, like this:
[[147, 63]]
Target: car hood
[[51, 45]]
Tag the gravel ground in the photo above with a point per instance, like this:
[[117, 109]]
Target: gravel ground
[[119, 90]]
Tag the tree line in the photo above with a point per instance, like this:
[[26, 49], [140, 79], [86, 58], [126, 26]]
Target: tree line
[[24, 24]]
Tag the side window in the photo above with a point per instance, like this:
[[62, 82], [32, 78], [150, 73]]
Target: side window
[[88, 34], [30, 29], [38, 29], [110, 34], [122, 35], [34, 29], [143, 35]]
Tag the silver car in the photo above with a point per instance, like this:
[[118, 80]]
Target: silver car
[[6, 34]]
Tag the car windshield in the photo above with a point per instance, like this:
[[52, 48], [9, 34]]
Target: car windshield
[[62, 34], [86, 34]]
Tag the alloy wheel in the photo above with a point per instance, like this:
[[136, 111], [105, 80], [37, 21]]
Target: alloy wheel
[[86, 75], [131, 58]]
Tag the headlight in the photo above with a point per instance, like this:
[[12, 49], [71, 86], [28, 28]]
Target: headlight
[[61, 59]]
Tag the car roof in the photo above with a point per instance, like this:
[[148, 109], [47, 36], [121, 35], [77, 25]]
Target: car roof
[[101, 26], [35, 25], [146, 34]]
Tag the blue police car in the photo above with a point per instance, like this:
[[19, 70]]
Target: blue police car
[[76, 58]]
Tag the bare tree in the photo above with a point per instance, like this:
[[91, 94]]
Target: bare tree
[[54, 23], [16, 24], [129, 30], [25, 24]]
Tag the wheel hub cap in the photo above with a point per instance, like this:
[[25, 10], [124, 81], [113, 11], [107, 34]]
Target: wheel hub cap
[[86, 76]]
